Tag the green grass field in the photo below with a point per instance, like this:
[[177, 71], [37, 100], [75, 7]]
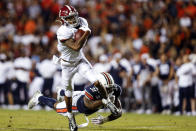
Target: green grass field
[[20, 120]]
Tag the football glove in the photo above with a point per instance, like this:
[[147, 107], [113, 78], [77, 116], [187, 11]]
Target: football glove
[[85, 28], [107, 102], [98, 120], [113, 108], [111, 97]]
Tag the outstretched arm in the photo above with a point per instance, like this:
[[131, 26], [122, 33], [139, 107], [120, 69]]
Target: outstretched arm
[[112, 116], [92, 104], [106, 100], [100, 119]]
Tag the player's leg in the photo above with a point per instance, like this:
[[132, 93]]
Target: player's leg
[[86, 70], [67, 75], [39, 98], [67, 88], [192, 101], [138, 96], [61, 107]]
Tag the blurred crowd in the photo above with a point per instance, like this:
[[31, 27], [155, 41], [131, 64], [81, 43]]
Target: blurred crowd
[[148, 46]]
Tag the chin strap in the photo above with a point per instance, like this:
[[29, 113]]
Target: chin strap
[[84, 124]]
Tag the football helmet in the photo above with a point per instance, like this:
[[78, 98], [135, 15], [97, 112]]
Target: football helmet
[[69, 16], [106, 80]]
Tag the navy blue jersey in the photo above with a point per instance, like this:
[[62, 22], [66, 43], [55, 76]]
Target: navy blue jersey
[[147, 67], [164, 70], [92, 93]]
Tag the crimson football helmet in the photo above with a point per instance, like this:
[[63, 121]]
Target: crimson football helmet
[[69, 15]]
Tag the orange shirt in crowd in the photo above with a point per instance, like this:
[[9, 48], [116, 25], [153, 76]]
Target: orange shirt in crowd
[[144, 49], [30, 26], [55, 8], [191, 10], [46, 4], [147, 23]]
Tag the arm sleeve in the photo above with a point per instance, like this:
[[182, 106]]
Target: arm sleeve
[[178, 73], [182, 70]]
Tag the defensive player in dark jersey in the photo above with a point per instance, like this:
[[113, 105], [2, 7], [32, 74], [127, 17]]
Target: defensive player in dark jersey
[[103, 93]]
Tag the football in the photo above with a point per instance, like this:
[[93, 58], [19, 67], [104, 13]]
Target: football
[[79, 34]]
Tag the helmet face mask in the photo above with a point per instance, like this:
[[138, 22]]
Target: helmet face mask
[[109, 90], [71, 20], [69, 15]]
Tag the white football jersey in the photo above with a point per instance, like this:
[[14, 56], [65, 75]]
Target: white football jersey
[[66, 32], [185, 73], [23, 66], [45, 73], [2, 72]]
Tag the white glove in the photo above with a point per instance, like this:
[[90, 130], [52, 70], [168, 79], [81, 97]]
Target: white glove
[[111, 97], [85, 28], [113, 108], [105, 101], [108, 103], [98, 121]]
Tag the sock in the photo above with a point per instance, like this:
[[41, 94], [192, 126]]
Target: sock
[[69, 115], [62, 93], [47, 101]]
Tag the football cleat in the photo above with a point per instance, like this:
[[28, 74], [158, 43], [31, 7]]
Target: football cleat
[[34, 100], [72, 123], [60, 98]]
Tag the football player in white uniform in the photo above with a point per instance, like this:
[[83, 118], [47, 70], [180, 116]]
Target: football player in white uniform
[[72, 59], [103, 92]]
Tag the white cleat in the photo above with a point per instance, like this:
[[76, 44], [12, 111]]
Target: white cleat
[[59, 97], [34, 100]]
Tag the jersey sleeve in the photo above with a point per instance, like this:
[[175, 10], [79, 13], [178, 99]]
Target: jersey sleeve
[[83, 22], [179, 72], [89, 93], [64, 33]]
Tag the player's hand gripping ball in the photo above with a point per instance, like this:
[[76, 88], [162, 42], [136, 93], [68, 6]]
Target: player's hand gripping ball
[[79, 34]]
